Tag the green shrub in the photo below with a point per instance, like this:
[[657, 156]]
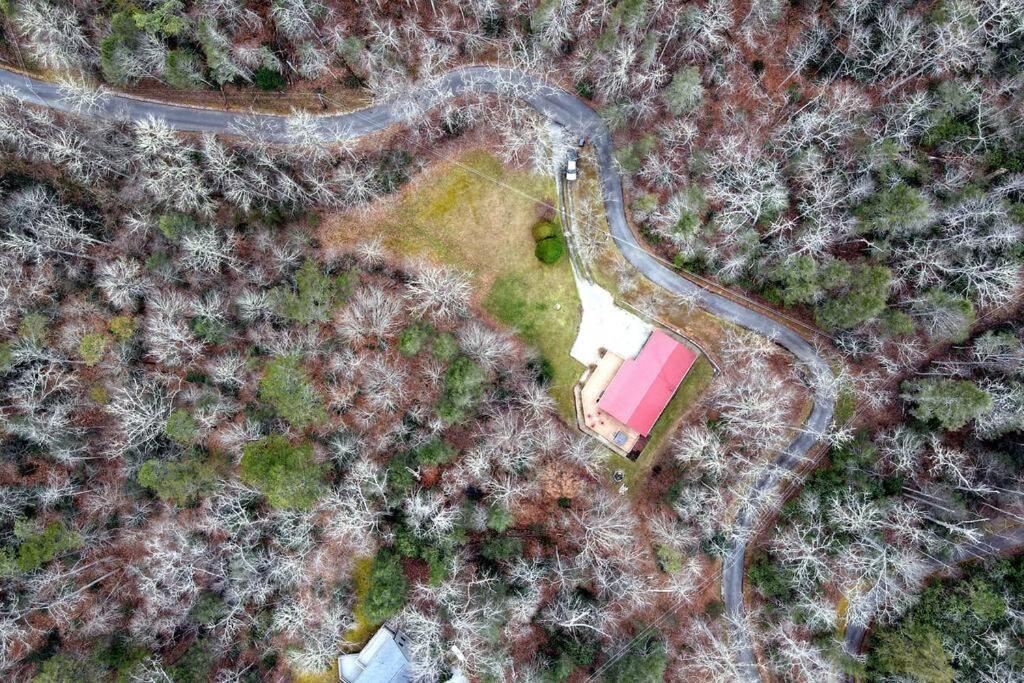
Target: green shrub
[[209, 609], [63, 668], [194, 666], [388, 588], [445, 347], [644, 662], [181, 426], [34, 327], [413, 338], [122, 327], [36, 548], [288, 388], [435, 452], [92, 347], [501, 548], [268, 79], [183, 70], [182, 483], [770, 579], [894, 210], [550, 250], [949, 402], [312, 298], [463, 386], [544, 230], [175, 225], [685, 91], [669, 559], [211, 330], [498, 518], [286, 473]]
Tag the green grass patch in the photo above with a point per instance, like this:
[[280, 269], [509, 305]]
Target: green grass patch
[[694, 384], [364, 627], [479, 216]]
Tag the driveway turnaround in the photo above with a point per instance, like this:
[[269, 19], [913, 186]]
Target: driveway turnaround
[[569, 111]]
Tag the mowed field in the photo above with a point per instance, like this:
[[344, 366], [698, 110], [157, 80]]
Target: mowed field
[[476, 214]]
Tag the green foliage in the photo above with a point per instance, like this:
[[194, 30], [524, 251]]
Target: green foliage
[[36, 547], [400, 474], [896, 323], [413, 338], [34, 328], [435, 452], [180, 482], [122, 327], [550, 250], [498, 548], [121, 656], [288, 388], [895, 210], [669, 559], [949, 402], [769, 579], [862, 299], [445, 347], [947, 317], [948, 129], [165, 20], [209, 609], [388, 589], [286, 473], [714, 608], [464, 382], [644, 662], [6, 357], [92, 347], [63, 668], [631, 157], [268, 79], [799, 278], [175, 225], [499, 518], [915, 651], [947, 618], [685, 92], [217, 50], [181, 427], [312, 298], [194, 666], [211, 330], [117, 46], [544, 230], [183, 70]]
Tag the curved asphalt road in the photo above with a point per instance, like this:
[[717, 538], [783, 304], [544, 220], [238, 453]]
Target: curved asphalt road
[[567, 110]]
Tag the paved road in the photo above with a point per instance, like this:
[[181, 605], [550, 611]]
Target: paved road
[[1004, 542], [564, 108]]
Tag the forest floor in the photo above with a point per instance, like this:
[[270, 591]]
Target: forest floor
[[474, 213]]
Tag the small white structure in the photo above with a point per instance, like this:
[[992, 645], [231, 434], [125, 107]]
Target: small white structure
[[385, 659]]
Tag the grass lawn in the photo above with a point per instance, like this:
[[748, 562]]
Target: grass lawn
[[694, 384], [475, 214]]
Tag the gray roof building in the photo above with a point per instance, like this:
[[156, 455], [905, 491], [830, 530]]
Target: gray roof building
[[385, 659]]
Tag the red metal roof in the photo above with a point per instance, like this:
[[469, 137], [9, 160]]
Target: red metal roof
[[644, 385]]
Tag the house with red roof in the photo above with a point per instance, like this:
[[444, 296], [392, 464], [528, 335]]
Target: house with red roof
[[619, 400], [644, 385]]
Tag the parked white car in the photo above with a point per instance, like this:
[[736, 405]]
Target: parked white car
[[570, 168]]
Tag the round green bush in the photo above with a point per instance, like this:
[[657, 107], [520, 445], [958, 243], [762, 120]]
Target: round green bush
[[550, 250], [544, 230]]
